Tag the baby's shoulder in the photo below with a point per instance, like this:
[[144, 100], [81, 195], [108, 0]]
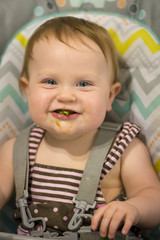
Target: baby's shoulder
[[136, 146], [135, 157], [6, 150]]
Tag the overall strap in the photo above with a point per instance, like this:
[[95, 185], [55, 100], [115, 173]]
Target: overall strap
[[85, 198]]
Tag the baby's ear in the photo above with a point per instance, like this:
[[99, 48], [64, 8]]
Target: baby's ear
[[115, 89], [24, 84]]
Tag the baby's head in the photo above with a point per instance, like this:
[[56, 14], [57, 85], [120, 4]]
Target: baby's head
[[71, 28], [70, 66]]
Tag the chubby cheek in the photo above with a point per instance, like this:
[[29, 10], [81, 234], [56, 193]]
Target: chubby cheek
[[96, 111], [37, 108]]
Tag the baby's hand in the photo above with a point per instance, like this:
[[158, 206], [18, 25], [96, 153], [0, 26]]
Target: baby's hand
[[113, 214]]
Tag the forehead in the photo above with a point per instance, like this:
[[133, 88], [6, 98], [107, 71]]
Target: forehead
[[52, 55], [76, 43], [51, 46]]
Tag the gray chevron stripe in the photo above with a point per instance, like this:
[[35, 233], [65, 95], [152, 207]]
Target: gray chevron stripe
[[146, 87], [9, 67], [8, 113], [17, 51], [137, 54], [126, 79], [149, 131]]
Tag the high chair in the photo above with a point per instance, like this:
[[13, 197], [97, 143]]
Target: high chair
[[138, 102]]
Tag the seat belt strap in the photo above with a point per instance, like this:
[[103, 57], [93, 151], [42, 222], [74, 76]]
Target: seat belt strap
[[92, 171], [85, 198], [21, 172], [21, 163]]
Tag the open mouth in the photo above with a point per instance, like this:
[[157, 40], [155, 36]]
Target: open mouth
[[65, 112]]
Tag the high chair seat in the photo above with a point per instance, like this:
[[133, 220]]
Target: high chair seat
[[139, 50]]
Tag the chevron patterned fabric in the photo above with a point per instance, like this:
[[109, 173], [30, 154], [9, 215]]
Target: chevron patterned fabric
[[139, 100]]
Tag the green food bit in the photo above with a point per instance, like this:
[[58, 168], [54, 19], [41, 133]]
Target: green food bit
[[65, 112]]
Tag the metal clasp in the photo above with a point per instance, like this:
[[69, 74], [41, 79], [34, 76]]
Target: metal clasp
[[27, 220], [81, 207]]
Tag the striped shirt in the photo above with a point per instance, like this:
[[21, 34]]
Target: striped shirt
[[57, 184]]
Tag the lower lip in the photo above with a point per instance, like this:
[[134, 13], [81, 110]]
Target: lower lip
[[63, 116]]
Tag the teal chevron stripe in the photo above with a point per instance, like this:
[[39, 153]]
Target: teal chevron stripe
[[10, 91], [121, 110], [134, 98]]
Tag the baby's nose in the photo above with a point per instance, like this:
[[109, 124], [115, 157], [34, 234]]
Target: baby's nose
[[66, 95]]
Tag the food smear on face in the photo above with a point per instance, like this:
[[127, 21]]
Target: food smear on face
[[58, 124], [64, 126]]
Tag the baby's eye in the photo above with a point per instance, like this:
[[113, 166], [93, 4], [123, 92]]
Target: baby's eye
[[83, 84], [50, 81]]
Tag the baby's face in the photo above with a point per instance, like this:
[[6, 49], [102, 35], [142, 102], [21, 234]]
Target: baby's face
[[69, 88]]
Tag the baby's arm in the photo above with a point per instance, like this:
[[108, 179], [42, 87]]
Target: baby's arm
[[6, 172], [143, 193]]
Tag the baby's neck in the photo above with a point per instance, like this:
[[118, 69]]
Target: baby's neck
[[67, 153], [79, 145]]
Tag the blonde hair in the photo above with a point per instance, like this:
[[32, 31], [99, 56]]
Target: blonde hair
[[67, 27]]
